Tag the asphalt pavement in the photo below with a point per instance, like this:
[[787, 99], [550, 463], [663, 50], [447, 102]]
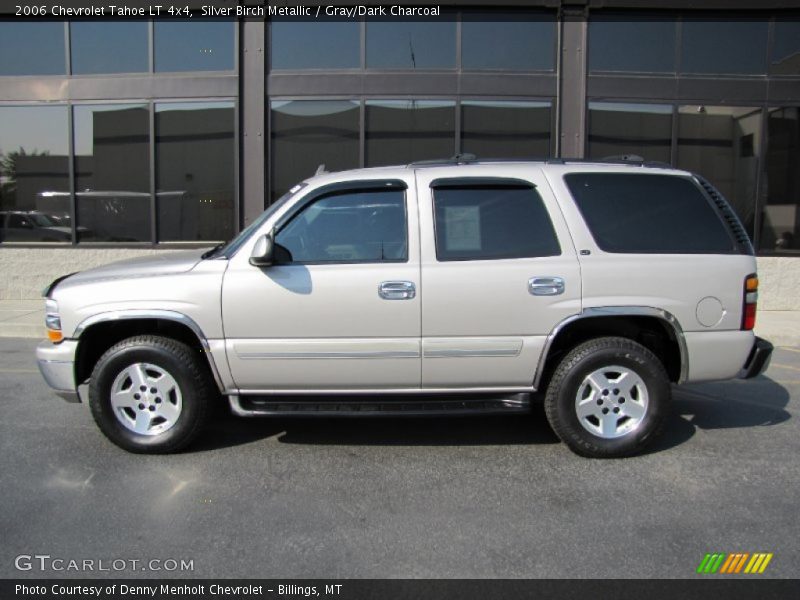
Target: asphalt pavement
[[437, 497]]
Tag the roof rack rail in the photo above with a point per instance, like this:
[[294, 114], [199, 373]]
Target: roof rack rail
[[458, 159]]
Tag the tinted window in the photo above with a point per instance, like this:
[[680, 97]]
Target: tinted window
[[193, 45], [368, 226], [722, 143], [483, 222], [786, 49], [656, 214], [513, 41], [34, 174], [402, 131], [720, 47], [505, 129], [108, 47], [112, 172], [319, 44], [620, 128], [32, 48], [620, 42], [411, 45], [780, 219], [310, 133], [195, 170]]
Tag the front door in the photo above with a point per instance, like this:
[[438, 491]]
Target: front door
[[499, 272], [342, 311]]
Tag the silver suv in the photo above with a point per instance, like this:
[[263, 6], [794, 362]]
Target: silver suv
[[452, 287]]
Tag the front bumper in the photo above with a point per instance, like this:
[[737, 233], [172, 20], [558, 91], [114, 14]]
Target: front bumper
[[57, 364], [758, 359]]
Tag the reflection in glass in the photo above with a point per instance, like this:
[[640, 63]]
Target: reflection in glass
[[28, 48], [503, 129], [633, 43], [112, 171], [786, 49], [193, 45], [403, 131], [108, 47], [310, 133], [195, 171], [411, 44], [722, 143], [620, 128], [780, 219], [34, 174], [319, 44], [724, 47], [524, 41]]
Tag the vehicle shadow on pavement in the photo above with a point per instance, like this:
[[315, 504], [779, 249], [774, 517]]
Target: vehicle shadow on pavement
[[389, 431], [732, 404], [759, 402]]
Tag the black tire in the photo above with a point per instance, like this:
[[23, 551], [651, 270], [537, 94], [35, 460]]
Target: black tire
[[176, 359], [570, 379]]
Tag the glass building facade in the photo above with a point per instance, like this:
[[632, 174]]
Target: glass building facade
[[173, 132]]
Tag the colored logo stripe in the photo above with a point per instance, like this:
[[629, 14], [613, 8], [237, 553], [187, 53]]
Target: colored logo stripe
[[721, 562]]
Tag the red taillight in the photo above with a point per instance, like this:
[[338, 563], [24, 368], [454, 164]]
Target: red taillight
[[750, 302]]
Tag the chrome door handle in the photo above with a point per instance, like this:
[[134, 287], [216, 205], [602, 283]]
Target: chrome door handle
[[546, 286], [397, 290]]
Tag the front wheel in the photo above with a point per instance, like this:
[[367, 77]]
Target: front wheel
[[608, 398], [150, 394]]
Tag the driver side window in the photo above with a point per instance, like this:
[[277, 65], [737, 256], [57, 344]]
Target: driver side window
[[351, 226]]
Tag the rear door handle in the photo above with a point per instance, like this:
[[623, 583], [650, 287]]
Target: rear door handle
[[546, 286], [397, 290]]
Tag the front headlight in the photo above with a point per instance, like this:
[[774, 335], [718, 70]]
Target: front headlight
[[52, 321]]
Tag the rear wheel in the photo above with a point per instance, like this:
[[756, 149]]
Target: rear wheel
[[608, 398], [150, 394]]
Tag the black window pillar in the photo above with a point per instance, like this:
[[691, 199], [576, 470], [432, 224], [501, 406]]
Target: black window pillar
[[572, 82]]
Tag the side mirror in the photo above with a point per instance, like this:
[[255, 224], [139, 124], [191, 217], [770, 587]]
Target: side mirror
[[263, 250]]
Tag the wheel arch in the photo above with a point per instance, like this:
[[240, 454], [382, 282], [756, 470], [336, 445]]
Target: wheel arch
[[655, 328], [98, 333]]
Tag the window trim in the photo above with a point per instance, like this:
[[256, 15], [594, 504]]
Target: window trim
[[341, 188], [486, 183]]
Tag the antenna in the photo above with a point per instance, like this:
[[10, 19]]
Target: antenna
[[320, 170]]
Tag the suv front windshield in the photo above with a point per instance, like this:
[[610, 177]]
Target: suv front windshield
[[230, 248]]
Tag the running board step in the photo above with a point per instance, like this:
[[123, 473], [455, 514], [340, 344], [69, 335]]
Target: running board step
[[382, 406]]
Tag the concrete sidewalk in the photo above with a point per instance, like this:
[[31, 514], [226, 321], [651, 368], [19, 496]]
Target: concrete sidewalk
[[25, 318]]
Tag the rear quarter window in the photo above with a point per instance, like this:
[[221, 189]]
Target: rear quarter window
[[648, 214]]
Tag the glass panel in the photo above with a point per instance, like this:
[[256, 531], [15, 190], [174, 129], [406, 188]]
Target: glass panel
[[620, 42], [641, 129], [411, 44], [367, 226], [492, 222], [195, 169], [32, 48], [193, 45], [310, 133], [512, 41], [112, 172], [660, 214], [720, 47], [505, 129], [108, 47], [780, 219], [320, 44], [34, 174], [723, 143], [786, 51], [403, 131]]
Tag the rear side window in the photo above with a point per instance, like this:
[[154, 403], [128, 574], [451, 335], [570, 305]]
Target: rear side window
[[648, 214], [491, 221]]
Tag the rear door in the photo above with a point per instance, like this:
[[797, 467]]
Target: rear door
[[499, 271]]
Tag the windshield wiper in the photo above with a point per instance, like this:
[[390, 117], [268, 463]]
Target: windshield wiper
[[213, 251]]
